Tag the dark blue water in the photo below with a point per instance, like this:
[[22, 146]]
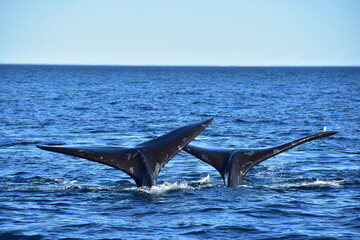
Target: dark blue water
[[309, 192]]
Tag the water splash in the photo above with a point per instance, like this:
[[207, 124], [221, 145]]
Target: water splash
[[204, 180], [166, 187], [176, 186]]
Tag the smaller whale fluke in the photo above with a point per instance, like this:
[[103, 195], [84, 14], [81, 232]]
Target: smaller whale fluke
[[234, 164], [143, 162]]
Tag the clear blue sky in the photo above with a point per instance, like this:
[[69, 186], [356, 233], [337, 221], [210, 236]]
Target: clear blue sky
[[180, 32]]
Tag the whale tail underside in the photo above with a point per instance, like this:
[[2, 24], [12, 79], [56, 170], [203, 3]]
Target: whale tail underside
[[143, 162], [234, 164]]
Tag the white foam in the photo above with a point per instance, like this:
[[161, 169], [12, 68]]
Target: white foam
[[332, 183], [70, 182], [27, 188], [62, 181]]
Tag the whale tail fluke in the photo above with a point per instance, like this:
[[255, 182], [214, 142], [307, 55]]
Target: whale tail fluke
[[261, 155], [215, 157], [160, 150], [143, 162], [234, 164]]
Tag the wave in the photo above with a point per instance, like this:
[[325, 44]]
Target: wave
[[18, 143], [58, 184], [18, 236]]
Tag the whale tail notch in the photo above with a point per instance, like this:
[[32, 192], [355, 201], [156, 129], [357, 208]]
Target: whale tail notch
[[143, 162], [234, 164]]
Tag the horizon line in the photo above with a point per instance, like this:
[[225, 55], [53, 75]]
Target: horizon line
[[165, 65]]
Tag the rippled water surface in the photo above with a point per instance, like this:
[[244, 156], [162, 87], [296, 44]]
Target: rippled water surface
[[309, 192]]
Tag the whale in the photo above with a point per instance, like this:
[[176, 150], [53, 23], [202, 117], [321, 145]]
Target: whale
[[143, 162], [233, 164]]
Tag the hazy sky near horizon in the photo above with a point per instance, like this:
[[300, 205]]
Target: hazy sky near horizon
[[180, 32]]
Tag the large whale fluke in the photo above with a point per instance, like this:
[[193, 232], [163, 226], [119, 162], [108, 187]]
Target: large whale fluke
[[234, 164], [143, 162]]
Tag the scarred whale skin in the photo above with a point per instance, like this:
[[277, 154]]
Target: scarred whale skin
[[233, 164], [142, 162]]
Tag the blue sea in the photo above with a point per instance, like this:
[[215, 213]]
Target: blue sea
[[309, 192]]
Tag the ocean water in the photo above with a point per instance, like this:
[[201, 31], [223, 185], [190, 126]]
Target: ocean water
[[309, 192]]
